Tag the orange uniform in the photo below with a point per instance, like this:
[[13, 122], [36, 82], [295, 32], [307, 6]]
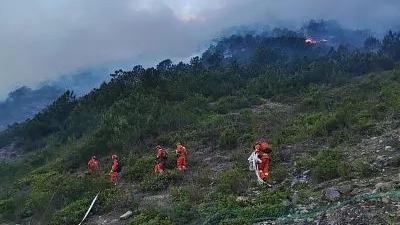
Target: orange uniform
[[263, 149], [93, 165], [161, 158], [181, 157], [115, 169]]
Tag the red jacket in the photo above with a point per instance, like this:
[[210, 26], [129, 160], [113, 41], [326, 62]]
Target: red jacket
[[115, 166], [181, 151], [93, 164]]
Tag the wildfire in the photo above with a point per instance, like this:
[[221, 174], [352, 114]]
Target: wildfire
[[310, 41], [314, 41]]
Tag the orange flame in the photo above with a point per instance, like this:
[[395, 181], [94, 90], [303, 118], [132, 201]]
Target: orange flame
[[311, 41], [314, 41]]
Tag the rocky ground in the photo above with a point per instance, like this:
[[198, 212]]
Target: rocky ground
[[375, 201], [371, 200]]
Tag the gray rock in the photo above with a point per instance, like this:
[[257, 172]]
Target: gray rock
[[385, 200], [309, 220], [332, 194], [346, 188], [126, 215], [304, 211], [286, 203], [383, 186], [241, 199], [381, 158]]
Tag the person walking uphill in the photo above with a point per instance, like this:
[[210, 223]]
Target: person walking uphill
[[263, 150], [161, 159], [259, 161], [93, 165], [181, 157], [115, 169]]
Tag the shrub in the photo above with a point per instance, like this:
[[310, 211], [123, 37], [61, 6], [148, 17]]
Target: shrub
[[138, 168], [246, 138], [112, 197], [144, 219], [182, 210], [315, 98], [229, 209], [235, 221], [204, 179], [305, 191], [305, 126], [363, 168], [7, 208], [303, 163], [328, 165], [233, 181], [155, 182], [230, 103], [35, 203], [279, 172], [343, 118], [228, 138], [391, 95], [71, 214]]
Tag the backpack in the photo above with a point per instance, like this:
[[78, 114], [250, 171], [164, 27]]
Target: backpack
[[265, 147], [119, 169], [164, 154]]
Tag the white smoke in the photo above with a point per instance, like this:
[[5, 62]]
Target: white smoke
[[42, 39]]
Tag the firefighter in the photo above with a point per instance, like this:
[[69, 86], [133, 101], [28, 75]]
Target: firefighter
[[115, 169], [263, 151], [181, 158], [161, 158], [93, 165]]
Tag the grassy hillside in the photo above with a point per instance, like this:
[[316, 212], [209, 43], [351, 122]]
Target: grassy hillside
[[315, 111]]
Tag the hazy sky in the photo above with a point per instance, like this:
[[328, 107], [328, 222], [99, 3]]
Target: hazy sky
[[42, 39]]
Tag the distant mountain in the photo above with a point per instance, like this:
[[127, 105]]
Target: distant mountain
[[24, 103], [82, 82], [257, 44]]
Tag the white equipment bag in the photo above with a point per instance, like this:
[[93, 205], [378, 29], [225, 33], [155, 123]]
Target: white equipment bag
[[253, 166]]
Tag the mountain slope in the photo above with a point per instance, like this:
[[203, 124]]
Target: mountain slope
[[318, 112], [24, 103]]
